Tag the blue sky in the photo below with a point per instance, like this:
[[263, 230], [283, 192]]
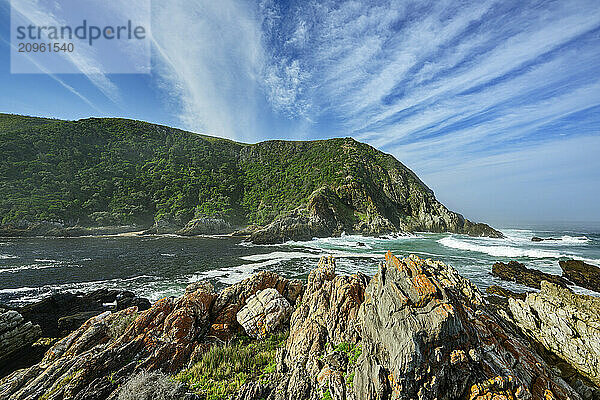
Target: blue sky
[[494, 104]]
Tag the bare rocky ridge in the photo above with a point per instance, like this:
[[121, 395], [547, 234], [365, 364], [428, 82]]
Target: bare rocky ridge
[[582, 274], [565, 323], [16, 335], [416, 330], [514, 271]]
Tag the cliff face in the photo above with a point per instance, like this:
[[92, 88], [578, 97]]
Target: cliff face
[[101, 172]]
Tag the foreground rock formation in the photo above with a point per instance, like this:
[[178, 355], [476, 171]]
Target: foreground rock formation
[[565, 323], [16, 335], [93, 361], [416, 330]]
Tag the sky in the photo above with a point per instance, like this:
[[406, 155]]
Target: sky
[[494, 104]]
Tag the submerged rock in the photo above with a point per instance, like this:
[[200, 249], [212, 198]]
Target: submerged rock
[[582, 274], [565, 323], [265, 312], [539, 239], [514, 271]]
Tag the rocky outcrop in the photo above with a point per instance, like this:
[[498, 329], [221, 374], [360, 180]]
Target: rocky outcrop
[[102, 354], [231, 300], [430, 336], [323, 322], [581, 273], [16, 335], [416, 330], [351, 209], [61, 313], [514, 271], [265, 312], [565, 323], [206, 225]]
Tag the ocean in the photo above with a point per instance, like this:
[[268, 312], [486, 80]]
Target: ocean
[[163, 265]]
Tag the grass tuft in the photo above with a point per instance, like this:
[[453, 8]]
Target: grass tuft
[[222, 370]]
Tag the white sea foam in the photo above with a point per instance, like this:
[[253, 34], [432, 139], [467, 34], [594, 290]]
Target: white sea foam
[[499, 251], [7, 256], [25, 268]]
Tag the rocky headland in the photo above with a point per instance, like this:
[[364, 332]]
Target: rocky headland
[[134, 176], [415, 330]]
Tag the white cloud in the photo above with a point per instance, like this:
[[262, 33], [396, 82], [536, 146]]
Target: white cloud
[[210, 58]]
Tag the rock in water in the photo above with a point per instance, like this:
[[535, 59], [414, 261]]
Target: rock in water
[[427, 334], [565, 323], [62, 313], [582, 274], [514, 271], [264, 313]]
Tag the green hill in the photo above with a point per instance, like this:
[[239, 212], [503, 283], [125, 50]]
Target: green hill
[[99, 172]]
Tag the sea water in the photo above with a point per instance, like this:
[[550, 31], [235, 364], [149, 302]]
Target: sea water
[[163, 265]]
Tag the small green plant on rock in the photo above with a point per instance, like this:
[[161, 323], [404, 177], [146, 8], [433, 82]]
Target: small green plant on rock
[[222, 370]]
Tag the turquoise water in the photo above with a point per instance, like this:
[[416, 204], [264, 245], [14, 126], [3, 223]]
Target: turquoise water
[[162, 265]]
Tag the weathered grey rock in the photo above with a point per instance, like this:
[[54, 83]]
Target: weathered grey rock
[[428, 334], [15, 334], [206, 225], [264, 313], [326, 317], [254, 391], [565, 323], [233, 298]]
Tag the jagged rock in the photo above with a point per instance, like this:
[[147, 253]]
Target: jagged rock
[[231, 300], [503, 292], [265, 312], [16, 335], [327, 314], [352, 208], [96, 359], [565, 323], [206, 225], [582, 274], [497, 298], [70, 306], [514, 271], [428, 334]]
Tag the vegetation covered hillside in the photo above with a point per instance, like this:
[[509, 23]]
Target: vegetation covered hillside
[[100, 172]]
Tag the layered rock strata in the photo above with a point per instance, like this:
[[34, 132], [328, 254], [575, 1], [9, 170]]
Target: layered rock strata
[[565, 323]]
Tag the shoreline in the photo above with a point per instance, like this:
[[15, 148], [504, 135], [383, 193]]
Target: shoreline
[[362, 297]]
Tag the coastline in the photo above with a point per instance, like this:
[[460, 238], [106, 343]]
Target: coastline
[[351, 304]]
